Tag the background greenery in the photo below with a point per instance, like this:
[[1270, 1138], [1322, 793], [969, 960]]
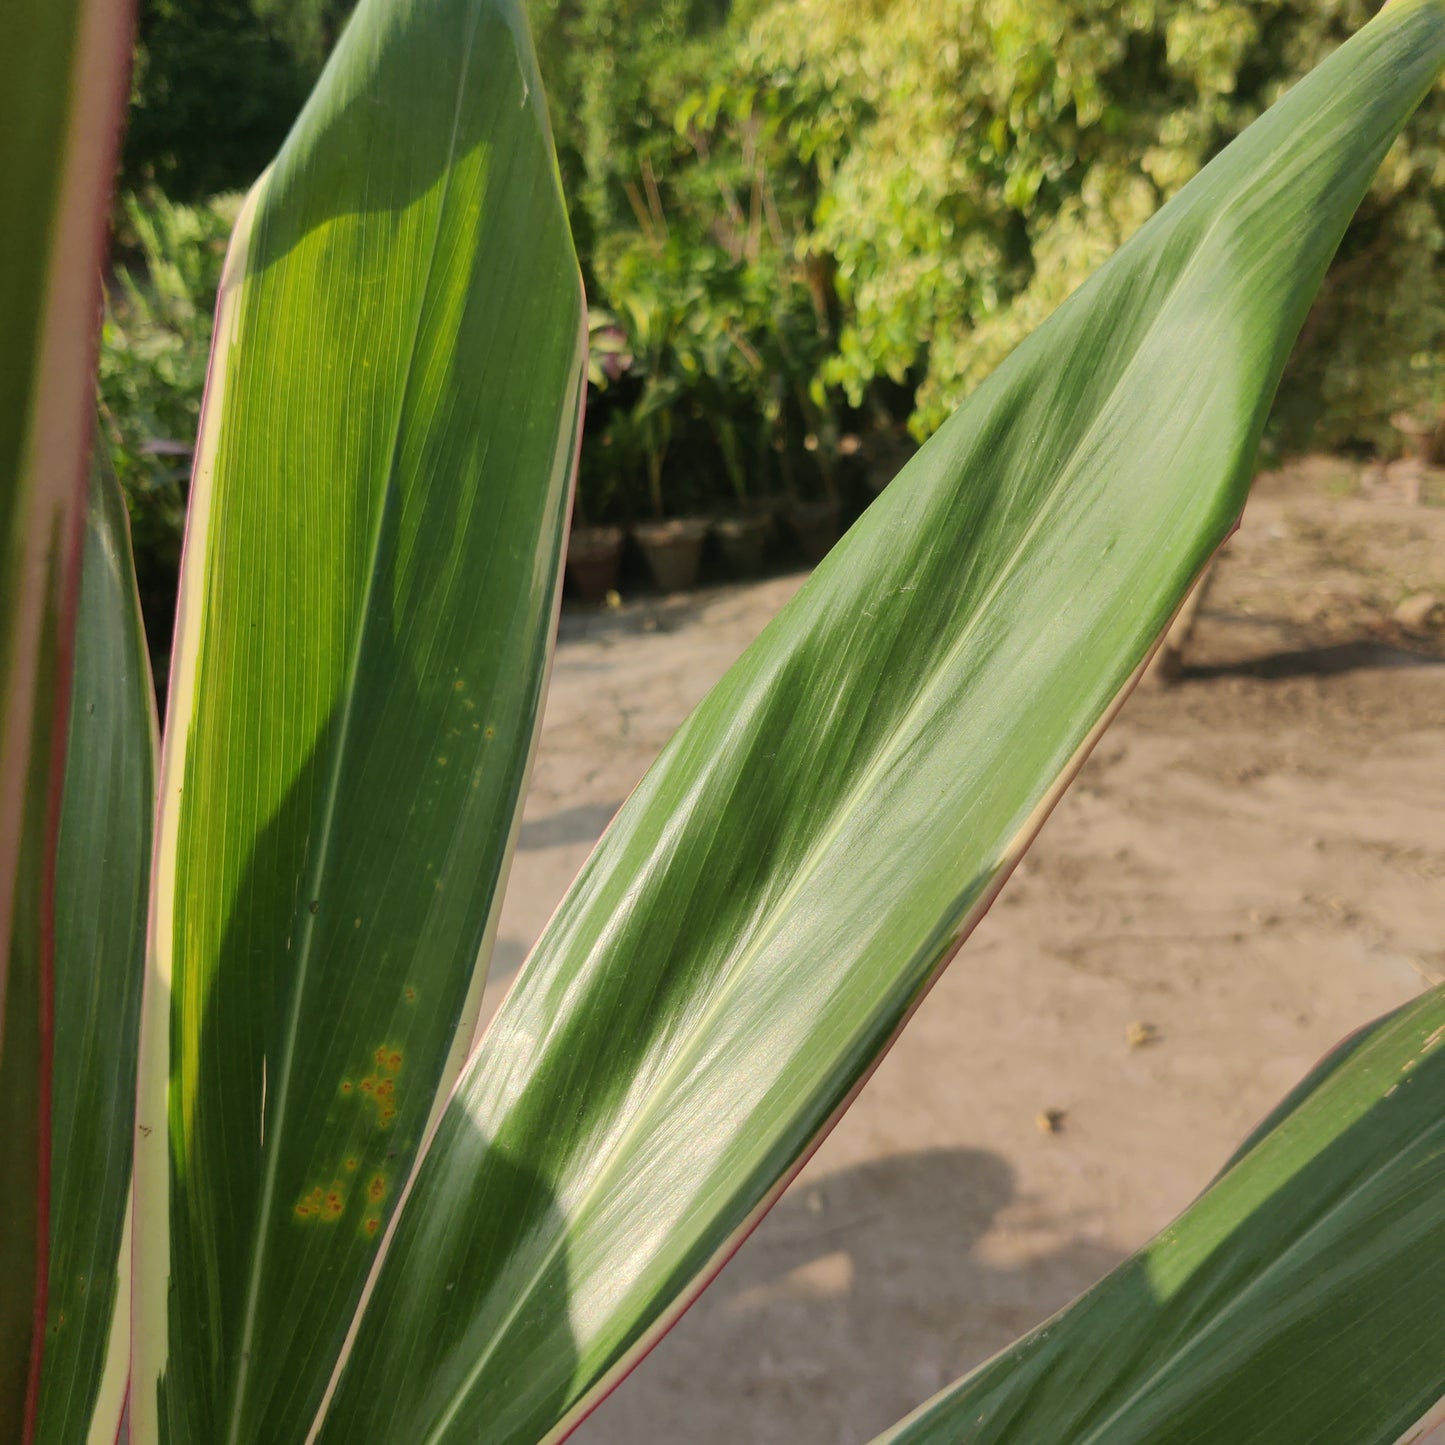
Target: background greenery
[[808, 227]]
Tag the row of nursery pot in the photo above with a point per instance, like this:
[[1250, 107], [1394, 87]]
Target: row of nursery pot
[[673, 547]]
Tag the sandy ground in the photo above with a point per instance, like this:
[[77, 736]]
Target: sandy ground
[[1251, 865]]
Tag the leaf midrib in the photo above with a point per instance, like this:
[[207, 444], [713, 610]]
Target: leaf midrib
[[812, 858], [308, 919], [1264, 1276]]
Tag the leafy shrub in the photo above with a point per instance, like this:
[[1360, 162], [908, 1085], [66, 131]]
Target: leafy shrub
[[155, 342], [216, 86], [979, 158], [688, 213], [804, 221]]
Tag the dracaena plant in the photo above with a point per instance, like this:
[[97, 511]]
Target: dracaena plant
[[340, 1221]]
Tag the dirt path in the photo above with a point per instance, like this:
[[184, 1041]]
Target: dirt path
[[1252, 864]]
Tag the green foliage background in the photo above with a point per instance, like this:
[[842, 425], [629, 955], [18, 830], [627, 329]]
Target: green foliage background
[[216, 86], [805, 225], [983, 156]]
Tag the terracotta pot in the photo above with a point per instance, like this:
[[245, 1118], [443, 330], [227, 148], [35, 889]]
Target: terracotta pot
[[1424, 440], [673, 550], [744, 542], [594, 555], [815, 525]]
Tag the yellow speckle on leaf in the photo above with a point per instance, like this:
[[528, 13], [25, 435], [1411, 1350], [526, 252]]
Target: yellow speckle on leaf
[[380, 1087], [310, 1205]]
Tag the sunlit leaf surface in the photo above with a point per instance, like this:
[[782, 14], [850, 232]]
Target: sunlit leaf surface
[[60, 109], [1298, 1301], [812, 845], [101, 876], [368, 598]]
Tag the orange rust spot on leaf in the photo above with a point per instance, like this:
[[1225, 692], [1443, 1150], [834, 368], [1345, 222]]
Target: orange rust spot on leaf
[[393, 1061], [376, 1189], [346, 1086], [411, 995], [372, 1225], [352, 1165]]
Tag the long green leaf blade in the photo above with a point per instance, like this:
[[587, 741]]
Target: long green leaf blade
[[59, 112], [102, 872], [1298, 1300], [368, 600], [813, 844]]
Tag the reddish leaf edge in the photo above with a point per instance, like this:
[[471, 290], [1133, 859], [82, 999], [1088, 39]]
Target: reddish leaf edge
[[99, 76], [639, 1351], [479, 1031]]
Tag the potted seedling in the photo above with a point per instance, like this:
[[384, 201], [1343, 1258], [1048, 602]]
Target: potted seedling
[[594, 553], [594, 548], [743, 536], [814, 515], [672, 546], [744, 532]]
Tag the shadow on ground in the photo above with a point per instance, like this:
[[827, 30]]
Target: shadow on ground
[[860, 1295], [1328, 661], [582, 823]]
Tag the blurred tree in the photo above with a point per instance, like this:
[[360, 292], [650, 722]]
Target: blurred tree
[[615, 73], [984, 156], [309, 27], [216, 86], [804, 221]]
